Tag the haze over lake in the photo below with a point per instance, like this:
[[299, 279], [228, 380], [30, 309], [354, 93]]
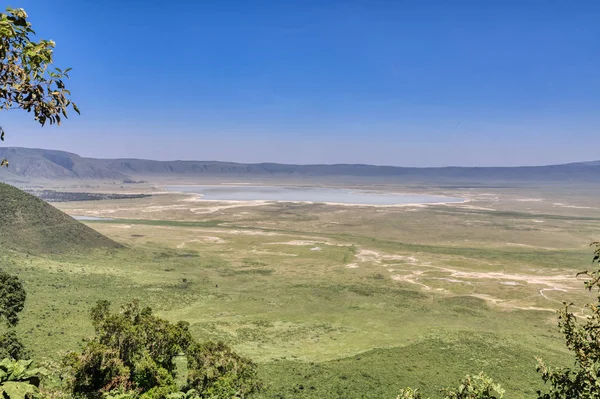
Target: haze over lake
[[309, 194]]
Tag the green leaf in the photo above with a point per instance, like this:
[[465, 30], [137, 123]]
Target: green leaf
[[18, 390]]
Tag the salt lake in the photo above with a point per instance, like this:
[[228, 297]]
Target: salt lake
[[309, 194]]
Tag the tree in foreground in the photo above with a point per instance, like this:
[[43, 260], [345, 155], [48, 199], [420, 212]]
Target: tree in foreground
[[26, 80], [582, 338], [134, 353], [12, 301]]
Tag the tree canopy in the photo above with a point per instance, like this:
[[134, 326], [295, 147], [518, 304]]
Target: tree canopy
[[26, 80], [12, 298], [12, 301], [134, 354]]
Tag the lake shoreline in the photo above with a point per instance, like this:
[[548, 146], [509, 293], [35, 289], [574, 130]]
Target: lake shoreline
[[254, 195]]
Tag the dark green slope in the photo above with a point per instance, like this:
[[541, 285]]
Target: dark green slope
[[429, 365], [31, 225]]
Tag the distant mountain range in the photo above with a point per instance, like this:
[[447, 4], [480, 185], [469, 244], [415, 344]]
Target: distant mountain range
[[29, 163]]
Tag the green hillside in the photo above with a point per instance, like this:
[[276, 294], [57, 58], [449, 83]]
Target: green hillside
[[30, 224]]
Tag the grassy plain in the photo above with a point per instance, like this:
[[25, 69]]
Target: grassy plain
[[335, 301]]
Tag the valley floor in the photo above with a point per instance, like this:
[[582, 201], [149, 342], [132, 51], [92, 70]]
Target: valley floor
[[332, 300]]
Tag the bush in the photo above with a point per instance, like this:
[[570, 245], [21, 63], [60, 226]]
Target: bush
[[12, 347], [471, 387], [583, 339], [133, 356], [217, 372], [98, 369], [477, 387]]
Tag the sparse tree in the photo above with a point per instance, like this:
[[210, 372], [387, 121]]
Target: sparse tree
[[12, 298], [26, 81], [12, 301]]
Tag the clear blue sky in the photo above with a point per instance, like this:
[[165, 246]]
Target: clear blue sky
[[413, 83]]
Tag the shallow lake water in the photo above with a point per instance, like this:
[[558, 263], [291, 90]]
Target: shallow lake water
[[309, 194], [89, 218]]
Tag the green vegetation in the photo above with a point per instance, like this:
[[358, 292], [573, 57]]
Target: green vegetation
[[25, 78], [134, 351], [471, 387], [12, 301], [326, 301], [19, 380], [583, 340], [12, 298], [33, 226], [303, 301]]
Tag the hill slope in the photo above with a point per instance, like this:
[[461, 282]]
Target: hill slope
[[29, 224], [51, 164], [57, 165]]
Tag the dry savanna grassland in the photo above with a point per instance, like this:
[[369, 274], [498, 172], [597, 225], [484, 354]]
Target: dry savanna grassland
[[333, 300]]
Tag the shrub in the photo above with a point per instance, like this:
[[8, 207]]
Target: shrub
[[12, 347], [133, 355], [476, 387], [217, 372], [583, 339]]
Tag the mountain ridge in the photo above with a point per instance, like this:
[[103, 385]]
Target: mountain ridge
[[38, 163]]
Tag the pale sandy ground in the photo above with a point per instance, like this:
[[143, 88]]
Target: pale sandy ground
[[203, 239], [232, 204], [561, 282], [573, 206], [408, 268]]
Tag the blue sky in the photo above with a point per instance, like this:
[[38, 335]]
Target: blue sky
[[409, 83]]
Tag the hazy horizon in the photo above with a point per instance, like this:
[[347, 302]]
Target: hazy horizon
[[292, 163], [402, 84]]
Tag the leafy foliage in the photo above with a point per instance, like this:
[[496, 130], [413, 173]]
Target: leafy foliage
[[12, 347], [19, 380], [12, 298], [471, 387], [582, 337], [133, 354], [409, 393], [121, 394], [131, 349], [12, 301], [476, 387], [25, 79], [218, 372]]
